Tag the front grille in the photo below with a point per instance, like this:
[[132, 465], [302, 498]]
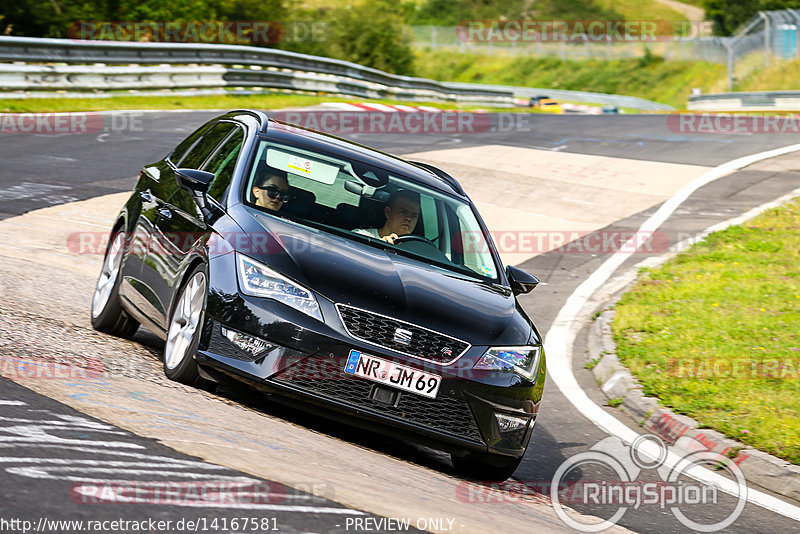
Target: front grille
[[381, 330], [445, 414]]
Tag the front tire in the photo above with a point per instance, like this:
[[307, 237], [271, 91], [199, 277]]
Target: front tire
[[185, 326], [482, 466], [107, 313]]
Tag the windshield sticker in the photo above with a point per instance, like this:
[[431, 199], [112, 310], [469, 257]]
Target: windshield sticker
[[488, 271], [300, 166]]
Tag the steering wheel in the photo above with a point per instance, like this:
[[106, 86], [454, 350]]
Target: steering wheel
[[413, 237]]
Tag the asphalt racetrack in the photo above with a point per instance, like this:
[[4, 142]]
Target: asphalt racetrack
[[66, 441]]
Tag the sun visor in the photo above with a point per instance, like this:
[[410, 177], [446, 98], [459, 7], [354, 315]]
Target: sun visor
[[302, 166]]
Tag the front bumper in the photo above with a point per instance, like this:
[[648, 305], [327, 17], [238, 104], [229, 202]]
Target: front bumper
[[306, 362], [462, 417]]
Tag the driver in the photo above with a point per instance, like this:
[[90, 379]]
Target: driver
[[401, 212]]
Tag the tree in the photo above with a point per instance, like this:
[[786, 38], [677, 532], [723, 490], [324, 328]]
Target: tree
[[54, 18], [729, 15], [372, 33]]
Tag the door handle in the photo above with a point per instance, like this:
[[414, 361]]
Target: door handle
[[165, 212], [146, 196]]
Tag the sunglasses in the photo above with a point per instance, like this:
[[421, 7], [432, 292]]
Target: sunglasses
[[273, 192]]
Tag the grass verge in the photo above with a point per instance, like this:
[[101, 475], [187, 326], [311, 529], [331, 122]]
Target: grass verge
[[265, 101], [781, 73], [668, 82], [714, 332]]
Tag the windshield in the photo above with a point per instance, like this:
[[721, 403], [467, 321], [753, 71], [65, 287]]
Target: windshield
[[367, 204]]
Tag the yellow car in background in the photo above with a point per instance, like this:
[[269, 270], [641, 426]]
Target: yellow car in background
[[548, 105]]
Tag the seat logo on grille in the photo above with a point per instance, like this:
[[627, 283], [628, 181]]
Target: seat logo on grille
[[403, 337]]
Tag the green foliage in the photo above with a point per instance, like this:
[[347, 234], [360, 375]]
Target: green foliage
[[373, 34], [53, 18], [254, 10], [729, 15], [124, 100], [158, 10], [781, 74], [616, 402], [650, 77], [591, 364], [713, 333], [649, 58], [453, 12]]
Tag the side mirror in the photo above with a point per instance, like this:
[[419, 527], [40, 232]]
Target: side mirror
[[521, 281], [197, 183]]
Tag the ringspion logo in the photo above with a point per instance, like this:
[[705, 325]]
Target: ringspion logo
[[625, 477]]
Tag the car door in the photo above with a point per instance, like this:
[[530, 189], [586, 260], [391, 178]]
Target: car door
[[156, 184], [181, 229]]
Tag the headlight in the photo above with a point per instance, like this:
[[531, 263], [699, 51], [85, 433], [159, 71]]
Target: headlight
[[522, 360], [258, 280]]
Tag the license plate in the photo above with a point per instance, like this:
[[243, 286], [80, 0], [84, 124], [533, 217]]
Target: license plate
[[393, 374]]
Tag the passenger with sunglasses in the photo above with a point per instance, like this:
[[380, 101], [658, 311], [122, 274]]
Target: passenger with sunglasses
[[271, 190]]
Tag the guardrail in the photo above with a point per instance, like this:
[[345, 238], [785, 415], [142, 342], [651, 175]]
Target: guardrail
[[746, 101], [310, 73], [63, 64]]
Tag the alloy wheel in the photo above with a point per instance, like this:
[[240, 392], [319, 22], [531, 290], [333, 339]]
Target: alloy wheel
[[108, 275], [185, 321]]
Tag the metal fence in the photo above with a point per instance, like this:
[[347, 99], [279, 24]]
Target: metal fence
[[774, 35], [768, 36], [693, 48]]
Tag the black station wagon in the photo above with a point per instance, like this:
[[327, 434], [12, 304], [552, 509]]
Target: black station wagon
[[334, 277]]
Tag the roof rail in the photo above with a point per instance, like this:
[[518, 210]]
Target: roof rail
[[441, 174]]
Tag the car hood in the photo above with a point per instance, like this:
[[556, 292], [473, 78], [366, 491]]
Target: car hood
[[371, 278]]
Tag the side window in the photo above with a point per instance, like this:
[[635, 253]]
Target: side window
[[188, 143], [429, 214], [222, 164], [196, 155]]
